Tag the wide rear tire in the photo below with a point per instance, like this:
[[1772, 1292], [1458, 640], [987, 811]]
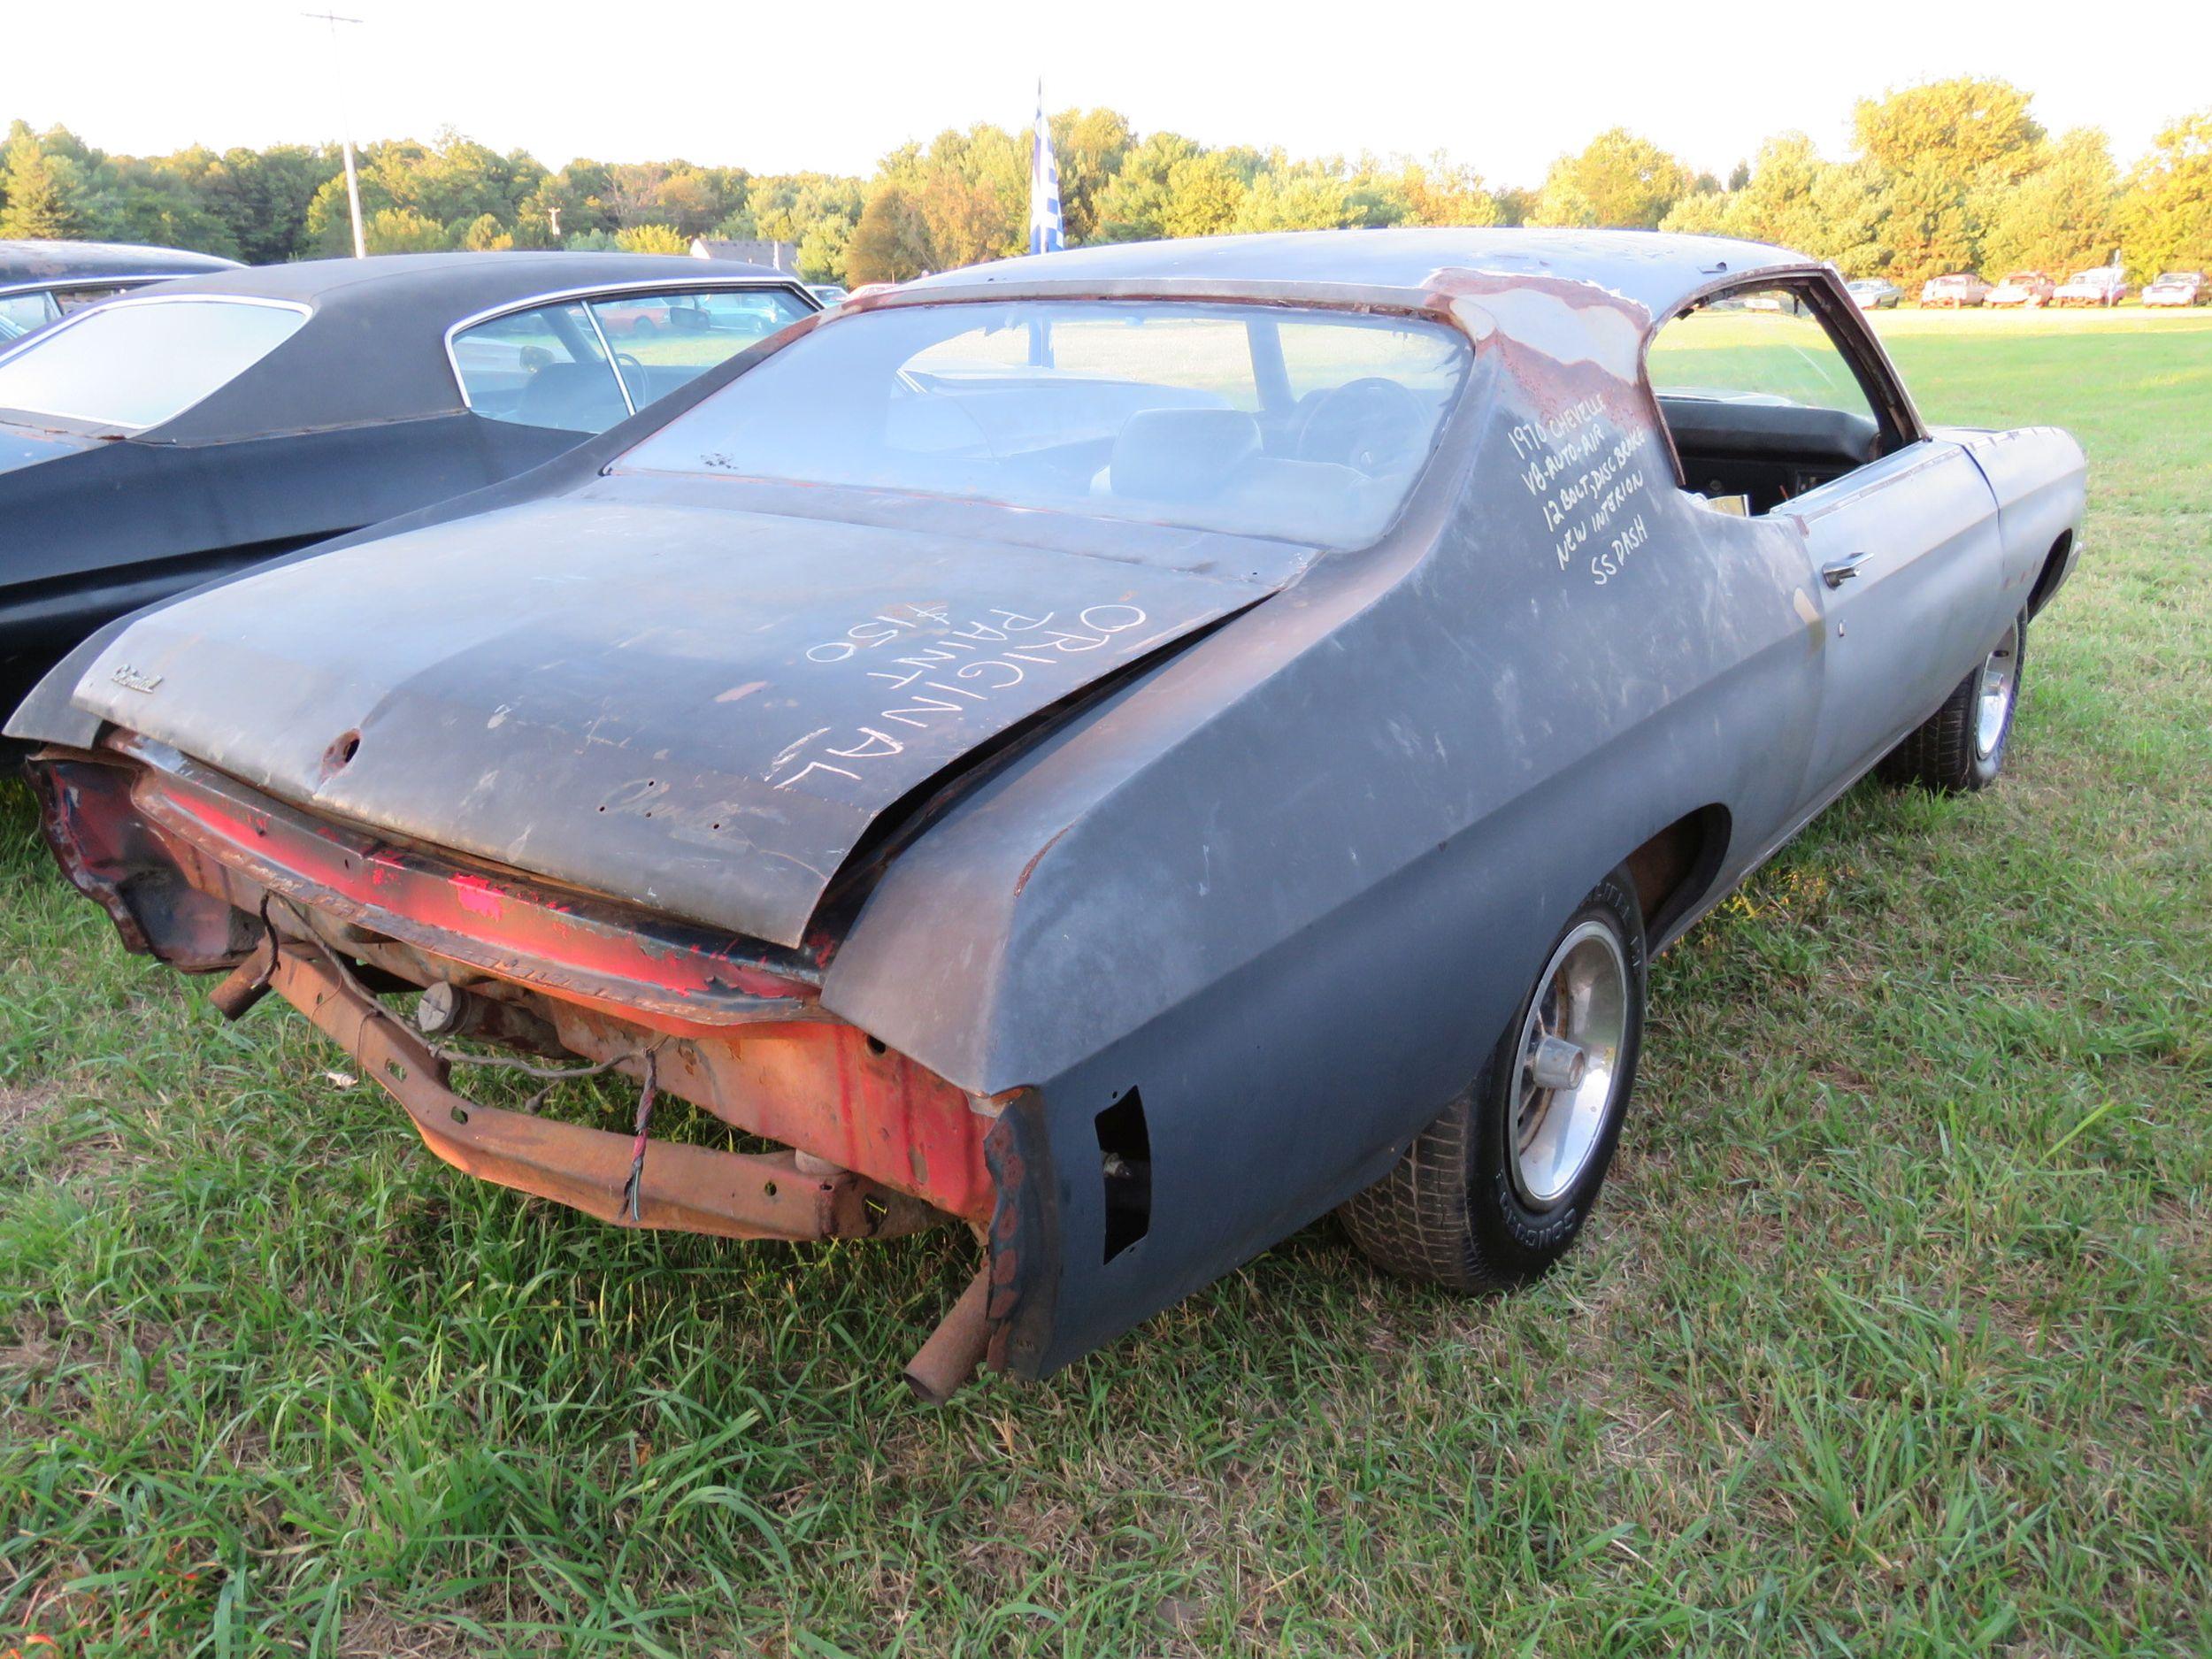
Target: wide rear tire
[[1498, 1187]]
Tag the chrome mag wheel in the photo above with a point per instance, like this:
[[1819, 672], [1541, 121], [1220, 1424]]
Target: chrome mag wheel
[[1570, 1064], [2000, 684]]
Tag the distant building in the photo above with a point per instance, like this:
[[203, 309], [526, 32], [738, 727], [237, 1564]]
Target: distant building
[[777, 256]]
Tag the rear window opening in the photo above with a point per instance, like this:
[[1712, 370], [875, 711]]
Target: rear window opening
[[1309, 426], [138, 364]]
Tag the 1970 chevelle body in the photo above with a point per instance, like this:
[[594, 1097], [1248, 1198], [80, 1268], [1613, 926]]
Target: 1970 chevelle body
[[1129, 749]]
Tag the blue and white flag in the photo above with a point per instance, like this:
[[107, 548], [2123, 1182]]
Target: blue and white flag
[[1047, 234]]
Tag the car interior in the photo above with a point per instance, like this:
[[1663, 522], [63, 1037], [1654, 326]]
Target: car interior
[[1761, 401], [1310, 467], [1308, 428], [1768, 453], [546, 366]]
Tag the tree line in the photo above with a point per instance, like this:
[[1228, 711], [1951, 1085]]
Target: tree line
[[1951, 175]]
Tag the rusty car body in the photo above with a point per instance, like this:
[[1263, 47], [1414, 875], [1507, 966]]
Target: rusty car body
[[2104, 285], [1960, 287], [2027, 290], [1127, 749], [2174, 287], [164, 438]]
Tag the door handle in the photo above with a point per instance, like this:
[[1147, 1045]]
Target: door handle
[[1838, 572]]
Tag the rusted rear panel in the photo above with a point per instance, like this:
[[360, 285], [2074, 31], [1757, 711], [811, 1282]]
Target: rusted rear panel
[[745, 1042]]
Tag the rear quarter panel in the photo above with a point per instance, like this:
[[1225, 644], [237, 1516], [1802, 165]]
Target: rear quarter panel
[[2039, 477], [1289, 887]]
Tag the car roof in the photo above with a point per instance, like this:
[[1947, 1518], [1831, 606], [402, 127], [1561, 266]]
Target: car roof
[[24, 264], [373, 348], [1656, 269]]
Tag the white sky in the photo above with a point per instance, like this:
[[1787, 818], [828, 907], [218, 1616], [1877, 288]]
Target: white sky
[[718, 83]]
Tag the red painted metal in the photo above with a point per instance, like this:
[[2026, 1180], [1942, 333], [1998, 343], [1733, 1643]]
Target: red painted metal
[[568, 944], [610, 983]]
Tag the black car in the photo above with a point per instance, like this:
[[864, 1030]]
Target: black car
[[155, 441], [40, 282]]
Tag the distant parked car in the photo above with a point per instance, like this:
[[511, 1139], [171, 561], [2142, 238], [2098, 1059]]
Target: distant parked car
[[755, 316], [2106, 286], [40, 282], [1962, 287], [828, 293], [153, 443], [2175, 288], [2025, 289], [1874, 294]]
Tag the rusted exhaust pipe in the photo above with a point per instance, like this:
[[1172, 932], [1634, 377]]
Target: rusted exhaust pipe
[[247, 983], [949, 1360]]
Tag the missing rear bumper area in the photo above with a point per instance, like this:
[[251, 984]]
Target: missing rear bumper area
[[199, 871]]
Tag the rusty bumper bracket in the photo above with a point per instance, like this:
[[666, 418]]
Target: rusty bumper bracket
[[687, 1188]]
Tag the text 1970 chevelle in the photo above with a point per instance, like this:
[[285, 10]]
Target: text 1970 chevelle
[[1129, 749]]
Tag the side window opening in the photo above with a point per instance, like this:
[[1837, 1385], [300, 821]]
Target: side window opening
[[1761, 401], [544, 367], [662, 341]]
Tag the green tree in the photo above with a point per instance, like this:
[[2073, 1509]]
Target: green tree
[[2166, 214], [652, 239], [1848, 201], [890, 243], [967, 221], [1617, 179], [1203, 196], [486, 234], [1133, 204], [1298, 199], [1089, 145], [1960, 128], [2059, 218], [1440, 192], [402, 230], [261, 196], [1926, 231], [36, 187], [971, 188], [822, 250]]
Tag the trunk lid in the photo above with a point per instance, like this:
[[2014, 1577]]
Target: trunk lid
[[695, 708]]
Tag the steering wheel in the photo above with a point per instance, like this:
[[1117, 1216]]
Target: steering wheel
[[1362, 424], [623, 360]]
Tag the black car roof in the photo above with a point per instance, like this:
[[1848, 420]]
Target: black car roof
[[373, 347], [27, 262]]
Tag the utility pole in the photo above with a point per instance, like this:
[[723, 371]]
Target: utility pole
[[345, 115]]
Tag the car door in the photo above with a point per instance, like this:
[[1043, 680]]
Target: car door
[[1911, 566], [1780, 405]]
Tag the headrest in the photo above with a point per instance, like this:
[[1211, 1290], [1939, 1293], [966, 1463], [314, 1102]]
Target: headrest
[[1181, 453]]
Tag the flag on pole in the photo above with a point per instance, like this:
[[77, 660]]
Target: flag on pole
[[1047, 234]]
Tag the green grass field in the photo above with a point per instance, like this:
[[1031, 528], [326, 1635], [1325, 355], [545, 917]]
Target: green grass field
[[1890, 1336]]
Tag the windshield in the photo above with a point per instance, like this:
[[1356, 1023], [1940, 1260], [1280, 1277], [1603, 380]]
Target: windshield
[[1310, 425], [135, 364]]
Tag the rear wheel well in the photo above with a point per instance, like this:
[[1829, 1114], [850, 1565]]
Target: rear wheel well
[[1673, 870], [2053, 565]]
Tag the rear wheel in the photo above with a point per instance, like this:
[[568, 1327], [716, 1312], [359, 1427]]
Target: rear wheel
[[1961, 747], [1498, 1187]]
